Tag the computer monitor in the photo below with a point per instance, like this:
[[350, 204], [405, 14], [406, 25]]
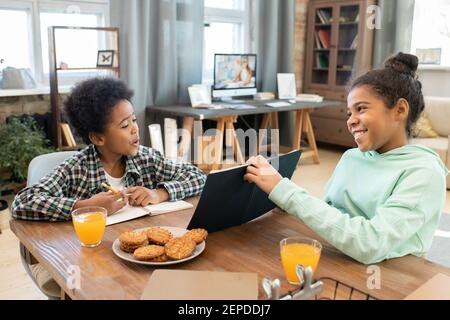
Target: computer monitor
[[234, 75]]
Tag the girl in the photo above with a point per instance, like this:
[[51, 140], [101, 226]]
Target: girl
[[100, 111], [245, 73], [384, 198]]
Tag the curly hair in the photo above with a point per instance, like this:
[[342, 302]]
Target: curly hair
[[397, 80], [91, 102]]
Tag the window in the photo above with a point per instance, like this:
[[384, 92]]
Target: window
[[28, 44], [66, 42], [226, 31], [17, 53], [431, 32]]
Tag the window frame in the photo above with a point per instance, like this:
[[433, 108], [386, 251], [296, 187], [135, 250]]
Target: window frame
[[240, 16], [35, 8]]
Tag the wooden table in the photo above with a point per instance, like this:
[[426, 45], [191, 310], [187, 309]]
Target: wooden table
[[226, 118], [252, 247]]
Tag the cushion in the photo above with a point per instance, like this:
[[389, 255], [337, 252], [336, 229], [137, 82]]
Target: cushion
[[438, 112], [423, 129]]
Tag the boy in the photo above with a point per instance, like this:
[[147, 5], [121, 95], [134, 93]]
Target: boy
[[100, 111]]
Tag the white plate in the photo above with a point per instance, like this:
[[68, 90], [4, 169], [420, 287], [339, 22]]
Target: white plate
[[177, 232]]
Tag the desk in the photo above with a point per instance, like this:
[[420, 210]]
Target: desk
[[227, 117], [252, 247]]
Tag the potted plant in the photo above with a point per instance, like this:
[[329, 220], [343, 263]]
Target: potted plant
[[21, 140]]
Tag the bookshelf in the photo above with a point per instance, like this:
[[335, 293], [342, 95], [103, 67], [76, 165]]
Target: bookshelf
[[65, 61], [339, 48]]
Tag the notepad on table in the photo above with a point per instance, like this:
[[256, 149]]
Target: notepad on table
[[437, 288], [201, 285], [128, 212], [279, 104]]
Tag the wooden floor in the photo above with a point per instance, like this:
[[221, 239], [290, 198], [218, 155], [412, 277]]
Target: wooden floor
[[15, 283]]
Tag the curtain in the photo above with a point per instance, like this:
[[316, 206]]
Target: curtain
[[161, 49], [396, 29], [274, 39]]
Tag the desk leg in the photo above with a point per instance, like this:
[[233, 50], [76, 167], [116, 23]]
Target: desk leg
[[218, 144], [303, 124], [210, 148], [310, 136], [298, 129], [268, 119], [233, 140], [275, 140]]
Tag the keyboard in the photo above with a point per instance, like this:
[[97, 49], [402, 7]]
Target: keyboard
[[278, 104]]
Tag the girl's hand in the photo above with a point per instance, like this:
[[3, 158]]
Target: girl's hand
[[262, 174], [108, 200], [141, 196]]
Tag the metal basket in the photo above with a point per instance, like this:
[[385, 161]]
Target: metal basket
[[322, 289], [337, 290]]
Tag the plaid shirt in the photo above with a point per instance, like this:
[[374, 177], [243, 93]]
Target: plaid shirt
[[80, 177]]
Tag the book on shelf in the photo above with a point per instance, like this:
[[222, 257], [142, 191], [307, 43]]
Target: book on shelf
[[354, 43], [324, 16], [67, 135], [321, 61], [317, 41], [324, 36]]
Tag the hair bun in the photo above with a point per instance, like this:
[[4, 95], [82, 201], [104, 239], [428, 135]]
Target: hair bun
[[403, 63]]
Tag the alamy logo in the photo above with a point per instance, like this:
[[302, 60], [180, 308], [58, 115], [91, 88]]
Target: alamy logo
[[73, 280], [374, 280], [373, 17]]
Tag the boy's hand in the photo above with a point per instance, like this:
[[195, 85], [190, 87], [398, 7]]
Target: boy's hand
[[141, 196], [262, 174], [108, 200]]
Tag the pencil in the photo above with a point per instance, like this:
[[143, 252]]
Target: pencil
[[107, 186]]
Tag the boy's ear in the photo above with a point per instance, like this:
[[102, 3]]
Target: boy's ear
[[96, 139], [402, 109]]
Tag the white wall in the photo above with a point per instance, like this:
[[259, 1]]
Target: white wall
[[435, 82]]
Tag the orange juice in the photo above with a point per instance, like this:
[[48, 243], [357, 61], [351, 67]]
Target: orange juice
[[90, 227], [298, 253]]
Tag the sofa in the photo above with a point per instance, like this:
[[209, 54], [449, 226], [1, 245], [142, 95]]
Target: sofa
[[437, 110]]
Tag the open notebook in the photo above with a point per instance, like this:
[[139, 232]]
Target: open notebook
[[128, 212]]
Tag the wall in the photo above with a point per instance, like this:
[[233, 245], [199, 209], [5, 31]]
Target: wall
[[435, 82]]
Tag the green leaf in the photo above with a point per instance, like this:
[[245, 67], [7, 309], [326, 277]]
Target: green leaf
[[21, 141]]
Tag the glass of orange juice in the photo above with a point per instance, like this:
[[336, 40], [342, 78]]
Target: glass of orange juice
[[89, 224], [299, 250]]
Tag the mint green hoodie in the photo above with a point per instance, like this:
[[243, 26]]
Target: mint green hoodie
[[377, 206]]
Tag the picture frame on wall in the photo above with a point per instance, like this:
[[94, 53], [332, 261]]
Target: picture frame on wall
[[429, 56], [105, 58]]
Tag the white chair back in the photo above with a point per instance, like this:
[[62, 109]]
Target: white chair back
[[44, 164]]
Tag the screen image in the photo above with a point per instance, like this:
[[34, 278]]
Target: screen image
[[234, 71]]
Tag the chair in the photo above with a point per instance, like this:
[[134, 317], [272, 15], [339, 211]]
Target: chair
[[38, 168]]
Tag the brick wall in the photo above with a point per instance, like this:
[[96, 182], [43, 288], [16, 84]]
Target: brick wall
[[39, 104], [300, 41]]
